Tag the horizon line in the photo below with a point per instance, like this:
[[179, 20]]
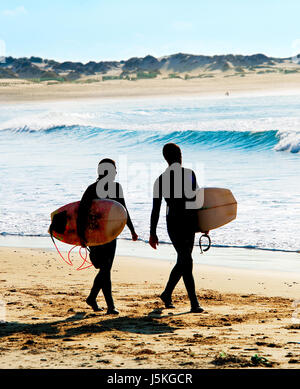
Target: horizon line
[[158, 57]]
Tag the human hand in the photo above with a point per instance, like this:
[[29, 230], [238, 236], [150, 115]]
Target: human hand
[[153, 241]]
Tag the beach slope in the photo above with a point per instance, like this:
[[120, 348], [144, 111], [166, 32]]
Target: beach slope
[[247, 323]]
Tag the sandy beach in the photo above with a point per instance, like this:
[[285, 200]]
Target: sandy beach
[[106, 99], [12, 91], [247, 322], [248, 317]]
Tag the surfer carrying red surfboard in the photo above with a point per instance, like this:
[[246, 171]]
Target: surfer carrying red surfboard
[[177, 185], [102, 256]]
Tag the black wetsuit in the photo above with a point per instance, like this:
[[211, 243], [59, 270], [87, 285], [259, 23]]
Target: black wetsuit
[[181, 230], [101, 256]]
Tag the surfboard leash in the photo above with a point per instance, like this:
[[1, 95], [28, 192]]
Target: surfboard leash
[[200, 243], [84, 259], [68, 261]]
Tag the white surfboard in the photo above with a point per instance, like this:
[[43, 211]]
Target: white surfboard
[[219, 208]]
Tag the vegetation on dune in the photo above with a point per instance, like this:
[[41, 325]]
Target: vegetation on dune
[[131, 76], [42, 79], [145, 75], [174, 75], [109, 78]]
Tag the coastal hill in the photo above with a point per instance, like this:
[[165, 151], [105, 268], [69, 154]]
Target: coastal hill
[[179, 65]]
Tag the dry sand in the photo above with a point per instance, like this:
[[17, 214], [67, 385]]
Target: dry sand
[[251, 84], [49, 325]]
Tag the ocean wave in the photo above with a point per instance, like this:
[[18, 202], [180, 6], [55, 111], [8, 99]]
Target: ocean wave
[[259, 140], [244, 140], [41, 122], [289, 141]]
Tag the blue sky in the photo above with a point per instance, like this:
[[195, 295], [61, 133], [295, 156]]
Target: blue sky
[[119, 29]]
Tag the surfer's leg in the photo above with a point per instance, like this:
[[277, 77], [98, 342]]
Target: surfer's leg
[[102, 257], [94, 257], [188, 279], [184, 269], [174, 277], [183, 243], [187, 272], [106, 281], [91, 300], [176, 272], [166, 295]]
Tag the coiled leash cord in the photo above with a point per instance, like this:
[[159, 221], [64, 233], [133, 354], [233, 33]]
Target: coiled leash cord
[[68, 261], [200, 242]]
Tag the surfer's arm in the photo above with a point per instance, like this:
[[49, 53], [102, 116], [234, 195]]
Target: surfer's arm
[[195, 185], [156, 205], [155, 215], [121, 200], [129, 222], [191, 190], [153, 239], [83, 210]]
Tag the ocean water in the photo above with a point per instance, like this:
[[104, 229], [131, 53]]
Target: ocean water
[[49, 154]]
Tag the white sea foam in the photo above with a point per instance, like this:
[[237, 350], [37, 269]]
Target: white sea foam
[[236, 140], [45, 120], [289, 141]]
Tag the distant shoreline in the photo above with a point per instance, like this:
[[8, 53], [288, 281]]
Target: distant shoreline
[[11, 240], [239, 258], [14, 91]]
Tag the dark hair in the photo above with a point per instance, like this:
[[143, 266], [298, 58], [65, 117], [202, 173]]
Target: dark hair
[[172, 153], [108, 160]]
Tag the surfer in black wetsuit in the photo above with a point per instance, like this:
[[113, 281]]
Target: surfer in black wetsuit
[[102, 256], [177, 185]]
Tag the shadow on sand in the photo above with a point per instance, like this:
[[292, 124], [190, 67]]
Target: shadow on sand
[[52, 330], [135, 325], [158, 313]]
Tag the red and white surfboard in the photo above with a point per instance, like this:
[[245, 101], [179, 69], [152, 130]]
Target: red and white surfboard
[[105, 222]]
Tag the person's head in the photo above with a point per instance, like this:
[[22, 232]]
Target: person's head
[[172, 153], [107, 167]]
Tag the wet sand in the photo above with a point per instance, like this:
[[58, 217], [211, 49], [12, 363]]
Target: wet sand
[[247, 322]]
